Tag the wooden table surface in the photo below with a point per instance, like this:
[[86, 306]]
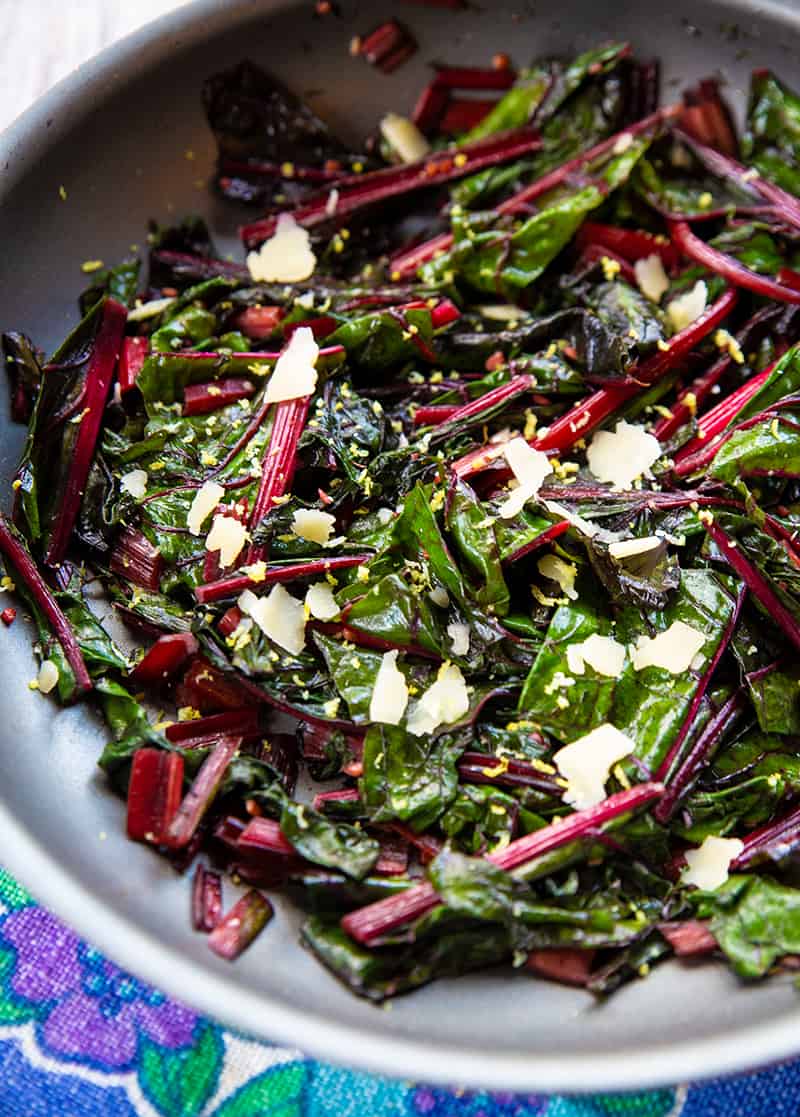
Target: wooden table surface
[[43, 40]]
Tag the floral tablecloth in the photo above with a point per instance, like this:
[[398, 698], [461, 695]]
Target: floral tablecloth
[[81, 1038]]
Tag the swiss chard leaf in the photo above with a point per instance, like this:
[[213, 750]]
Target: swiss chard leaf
[[410, 778], [755, 920]]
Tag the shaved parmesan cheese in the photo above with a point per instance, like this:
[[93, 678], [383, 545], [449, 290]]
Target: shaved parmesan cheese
[[332, 202], [686, 308], [627, 548], [390, 693], [294, 374], [385, 516], [439, 596], [228, 535], [205, 501], [403, 137], [501, 312], [622, 455], [707, 866], [321, 602], [459, 637], [622, 143], [149, 310], [134, 483], [280, 617], [555, 568], [530, 467], [311, 524], [585, 764], [443, 702], [285, 257], [651, 277], [674, 649], [603, 653], [47, 677]]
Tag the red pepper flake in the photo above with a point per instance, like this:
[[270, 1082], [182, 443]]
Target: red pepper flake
[[169, 292], [387, 47], [495, 360], [501, 61], [8, 616]]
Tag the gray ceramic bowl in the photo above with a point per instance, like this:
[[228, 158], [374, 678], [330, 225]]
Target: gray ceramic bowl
[[115, 135]]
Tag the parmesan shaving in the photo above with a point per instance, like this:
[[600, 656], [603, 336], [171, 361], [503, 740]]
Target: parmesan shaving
[[321, 602], [586, 763], [294, 374], [280, 617], [688, 307], [313, 525], [228, 535], [708, 865], [530, 467], [621, 456], [651, 277], [285, 257], [404, 138], [134, 483], [47, 677], [561, 572], [390, 693], [673, 650], [459, 637], [627, 548], [205, 501], [604, 654], [442, 703]]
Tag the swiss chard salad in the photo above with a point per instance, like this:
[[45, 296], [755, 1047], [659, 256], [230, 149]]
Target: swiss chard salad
[[450, 531]]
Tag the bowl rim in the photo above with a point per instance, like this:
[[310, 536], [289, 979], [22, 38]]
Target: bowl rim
[[23, 142]]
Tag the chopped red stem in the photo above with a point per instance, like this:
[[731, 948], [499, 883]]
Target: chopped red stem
[[154, 794], [369, 923], [569, 965], [729, 267], [434, 413], [200, 399], [357, 191], [164, 658], [674, 751], [206, 899], [99, 375], [201, 794], [631, 244], [12, 546], [278, 463], [243, 722], [463, 114], [699, 754], [8, 616], [775, 837], [242, 924], [287, 572], [689, 939], [481, 768], [263, 835], [704, 446], [474, 78], [137, 560], [341, 795], [755, 582], [517, 386], [131, 361], [259, 322], [198, 267], [430, 105]]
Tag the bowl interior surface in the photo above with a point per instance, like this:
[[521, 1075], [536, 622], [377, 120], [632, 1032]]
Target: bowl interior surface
[[127, 139]]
